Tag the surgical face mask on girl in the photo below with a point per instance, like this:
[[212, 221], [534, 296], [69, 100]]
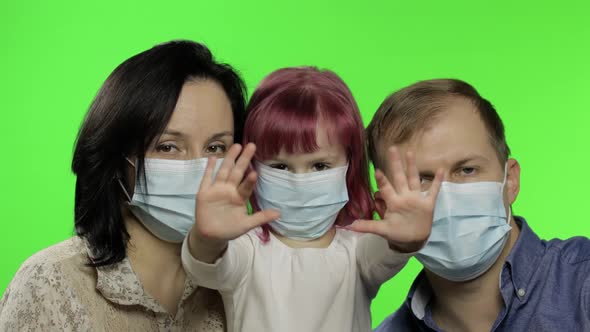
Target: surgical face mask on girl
[[165, 203], [469, 231], [309, 202]]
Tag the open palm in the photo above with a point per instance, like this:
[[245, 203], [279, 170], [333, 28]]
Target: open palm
[[407, 220], [221, 212]]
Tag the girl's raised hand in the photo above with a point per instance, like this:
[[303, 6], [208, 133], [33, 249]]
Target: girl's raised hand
[[221, 211], [407, 220]]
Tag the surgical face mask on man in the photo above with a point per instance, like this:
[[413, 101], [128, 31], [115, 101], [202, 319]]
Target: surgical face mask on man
[[469, 231], [165, 203], [309, 202]]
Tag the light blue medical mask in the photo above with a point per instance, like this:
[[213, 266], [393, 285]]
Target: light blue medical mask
[[165, 203], [309, 203], [469, 231]]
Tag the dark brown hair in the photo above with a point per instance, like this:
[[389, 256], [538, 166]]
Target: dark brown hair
[[411, 109], [130, 110]]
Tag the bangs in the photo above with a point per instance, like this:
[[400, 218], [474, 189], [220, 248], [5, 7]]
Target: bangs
[[284, 115], [289, 122]]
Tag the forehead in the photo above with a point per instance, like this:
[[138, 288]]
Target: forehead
[[327, 145], [202, 108], [458, 132]]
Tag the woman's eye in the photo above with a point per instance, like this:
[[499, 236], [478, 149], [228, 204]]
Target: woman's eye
[[216, 148], [166, 148], [320, 167], [282, 167]]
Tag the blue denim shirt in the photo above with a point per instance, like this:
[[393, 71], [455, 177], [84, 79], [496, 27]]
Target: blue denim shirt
[[545, 286]]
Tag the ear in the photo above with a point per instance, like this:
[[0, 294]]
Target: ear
[[380, 205], [512, 180]]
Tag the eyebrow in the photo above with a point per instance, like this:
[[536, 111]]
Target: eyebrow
[[220, 135], [469, 159], [323, 159], [172, 133]]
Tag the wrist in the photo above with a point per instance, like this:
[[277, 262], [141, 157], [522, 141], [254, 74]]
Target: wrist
[[205, 249], [408, 247]]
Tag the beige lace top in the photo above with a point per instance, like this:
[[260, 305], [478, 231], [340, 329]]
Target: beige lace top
[[55, 291]]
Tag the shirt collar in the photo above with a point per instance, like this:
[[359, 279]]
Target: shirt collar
[[419, 295], [522, 260], [524, 257]]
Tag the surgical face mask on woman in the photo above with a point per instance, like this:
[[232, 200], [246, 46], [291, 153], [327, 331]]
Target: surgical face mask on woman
[[165, 202]]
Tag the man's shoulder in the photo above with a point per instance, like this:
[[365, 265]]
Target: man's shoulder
[[575, 250], [401, 320]]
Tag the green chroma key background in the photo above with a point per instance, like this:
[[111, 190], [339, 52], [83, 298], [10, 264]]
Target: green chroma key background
[[530, 58]]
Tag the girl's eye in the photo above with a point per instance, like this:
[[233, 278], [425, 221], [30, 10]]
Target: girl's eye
[[320, 167], [282, 167], [425, 182], [166, 148], [216, 148]]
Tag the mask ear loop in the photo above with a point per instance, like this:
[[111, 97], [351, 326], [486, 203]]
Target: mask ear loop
[[503, 185], [121, 182]]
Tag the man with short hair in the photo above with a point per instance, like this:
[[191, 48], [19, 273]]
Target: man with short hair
[[484, 269]]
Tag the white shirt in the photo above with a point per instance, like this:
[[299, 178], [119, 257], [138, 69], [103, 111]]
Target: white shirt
[[273, 287]]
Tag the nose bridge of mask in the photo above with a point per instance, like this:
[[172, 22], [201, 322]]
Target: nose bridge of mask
[[294, 180], [302, 190], [469, 199], [172, 177]]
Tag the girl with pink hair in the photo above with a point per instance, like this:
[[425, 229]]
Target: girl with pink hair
[[310, 257]]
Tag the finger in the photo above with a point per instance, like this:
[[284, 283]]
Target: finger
[[396, 169], [247, 186], [228, 163], [260, 218], [237, 173], [413, 176], [368, 226], [208, 177], [436, 184], [385, 188]]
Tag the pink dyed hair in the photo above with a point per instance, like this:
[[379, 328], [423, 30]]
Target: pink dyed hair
[[283, 113]]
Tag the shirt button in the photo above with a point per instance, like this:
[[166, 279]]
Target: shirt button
[[520, 292]]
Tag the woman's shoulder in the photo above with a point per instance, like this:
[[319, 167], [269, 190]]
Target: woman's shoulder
[[51, 259], [42, 286], [52, 266]]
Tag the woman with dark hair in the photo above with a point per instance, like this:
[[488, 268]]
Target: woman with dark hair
[[139, 158]]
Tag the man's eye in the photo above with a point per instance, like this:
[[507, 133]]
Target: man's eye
[[468, 170], [216, 148], [320, 166], [282, 167], [166, 148]]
